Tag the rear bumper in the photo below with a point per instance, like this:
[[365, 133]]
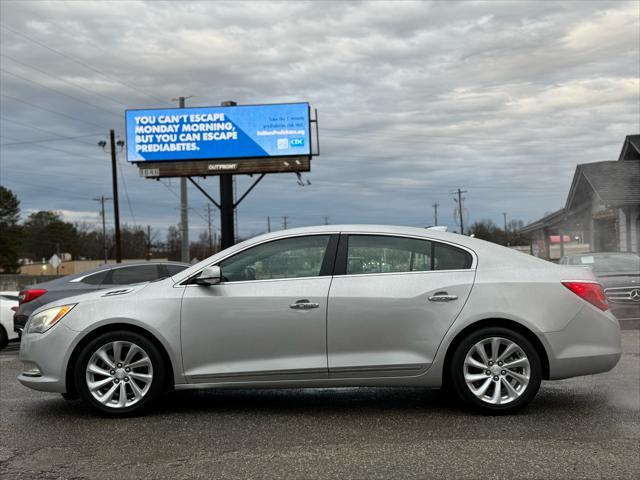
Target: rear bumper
[[589, 344]]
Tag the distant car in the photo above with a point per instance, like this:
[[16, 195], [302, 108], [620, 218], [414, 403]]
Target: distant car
[[619, 274], [8, 300], [330, 306], [105, 276]]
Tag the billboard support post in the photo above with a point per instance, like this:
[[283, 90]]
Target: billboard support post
[[226, 211], [227, 220], [184, 212]]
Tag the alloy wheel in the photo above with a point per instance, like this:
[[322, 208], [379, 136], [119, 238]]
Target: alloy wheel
[[119, 374], [496, 370]]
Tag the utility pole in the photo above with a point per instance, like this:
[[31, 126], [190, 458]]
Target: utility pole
[[268, 224], [504, 214], [116, 208], [435, 213], [184, 211], [149, 245], [460, 207], [209, 222], [102, 199], [284, 222], [326, 220]]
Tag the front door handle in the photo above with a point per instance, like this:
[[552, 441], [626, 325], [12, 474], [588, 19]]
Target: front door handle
[[304, 305], [442, 297]]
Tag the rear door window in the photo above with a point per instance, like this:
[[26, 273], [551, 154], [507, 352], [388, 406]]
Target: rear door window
[[137, 274], [96, 278], [448, 257], [174, 269]]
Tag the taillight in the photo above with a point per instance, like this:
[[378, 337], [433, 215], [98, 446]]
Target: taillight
[[27, 295], [589, 291]]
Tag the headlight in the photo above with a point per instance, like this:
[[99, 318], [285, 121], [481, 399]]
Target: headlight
[[46, 319]]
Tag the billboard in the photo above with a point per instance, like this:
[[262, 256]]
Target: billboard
[[210, 133]]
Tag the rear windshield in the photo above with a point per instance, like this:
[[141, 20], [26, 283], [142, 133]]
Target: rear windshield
[[614, 263]]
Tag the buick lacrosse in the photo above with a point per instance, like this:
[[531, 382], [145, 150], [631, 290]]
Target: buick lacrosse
[[330, 306]]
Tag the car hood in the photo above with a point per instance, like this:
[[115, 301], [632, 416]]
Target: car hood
[[107, 294]]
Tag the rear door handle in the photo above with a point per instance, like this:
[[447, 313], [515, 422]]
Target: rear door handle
[[442, 297], [304, 305]]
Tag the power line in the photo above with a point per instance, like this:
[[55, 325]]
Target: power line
[[80, 62], [51, 111], [60, 93], [177, 196], [49, 74], [49, 140], [126, 194], [50, 148], [44, 187], [33, 127]]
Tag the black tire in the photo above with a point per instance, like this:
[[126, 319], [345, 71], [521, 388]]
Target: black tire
[[463, 391], [4, 338], [158, 381]]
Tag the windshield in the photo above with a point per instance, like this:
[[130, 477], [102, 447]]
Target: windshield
[[611, 263]]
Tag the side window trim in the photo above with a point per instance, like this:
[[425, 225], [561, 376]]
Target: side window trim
[[329, 259]]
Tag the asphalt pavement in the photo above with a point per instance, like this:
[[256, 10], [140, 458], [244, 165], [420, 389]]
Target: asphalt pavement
[[587, 427]]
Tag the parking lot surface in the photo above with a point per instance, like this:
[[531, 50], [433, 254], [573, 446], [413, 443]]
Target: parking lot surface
[[587, 427]]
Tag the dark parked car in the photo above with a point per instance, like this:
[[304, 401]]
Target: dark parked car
[[105, 276], [619, 274]]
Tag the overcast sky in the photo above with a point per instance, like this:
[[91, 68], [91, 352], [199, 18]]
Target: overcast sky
[[502, 99]]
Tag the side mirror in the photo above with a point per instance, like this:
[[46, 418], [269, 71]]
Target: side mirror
[[210, 276]]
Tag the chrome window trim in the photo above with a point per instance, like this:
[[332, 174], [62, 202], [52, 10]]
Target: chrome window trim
[[473, 267], [351, 275]]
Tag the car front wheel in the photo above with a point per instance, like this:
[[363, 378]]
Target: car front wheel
[[496, 370], [120, 373]]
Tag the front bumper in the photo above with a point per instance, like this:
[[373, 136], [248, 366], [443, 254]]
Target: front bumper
[[625, 311], [589, 344], [48, 353]]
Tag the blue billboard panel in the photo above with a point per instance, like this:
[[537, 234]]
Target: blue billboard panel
[[245, 131]]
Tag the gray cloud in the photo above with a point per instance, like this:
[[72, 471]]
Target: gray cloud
[[415, 99]]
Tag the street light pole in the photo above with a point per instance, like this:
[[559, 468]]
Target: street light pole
[[116, 208]]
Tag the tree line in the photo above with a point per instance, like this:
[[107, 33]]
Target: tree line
[[43, 233], [489, 231]]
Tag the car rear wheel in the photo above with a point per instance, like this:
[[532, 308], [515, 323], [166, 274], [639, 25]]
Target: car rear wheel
[[120, 373], [496, 370]]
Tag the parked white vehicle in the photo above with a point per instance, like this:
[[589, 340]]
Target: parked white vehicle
[[7, 301]]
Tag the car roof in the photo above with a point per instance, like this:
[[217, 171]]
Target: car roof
[[475, 245]]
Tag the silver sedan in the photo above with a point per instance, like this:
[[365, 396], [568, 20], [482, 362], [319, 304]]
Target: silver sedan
[[330, 306]]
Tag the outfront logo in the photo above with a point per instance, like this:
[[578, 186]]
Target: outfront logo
[[297, 142]]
